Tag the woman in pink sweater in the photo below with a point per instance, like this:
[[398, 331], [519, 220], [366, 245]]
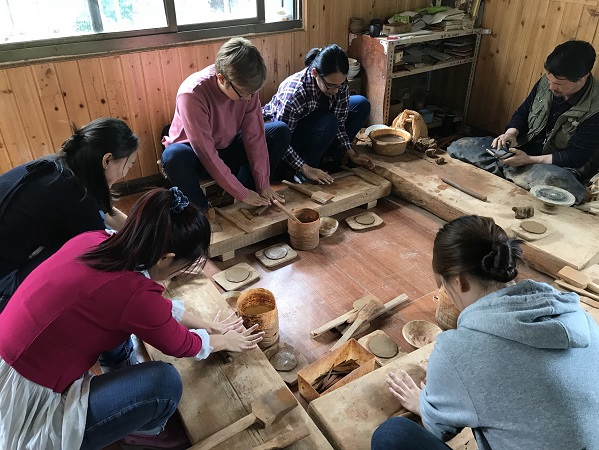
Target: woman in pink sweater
[[89, 297]]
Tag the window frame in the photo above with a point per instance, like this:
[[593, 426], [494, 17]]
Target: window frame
[[98, 44]]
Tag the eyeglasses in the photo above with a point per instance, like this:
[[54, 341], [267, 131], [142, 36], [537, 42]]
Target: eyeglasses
[[330, 86], [237, 92]]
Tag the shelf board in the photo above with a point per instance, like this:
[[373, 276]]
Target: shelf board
[[438, 66]]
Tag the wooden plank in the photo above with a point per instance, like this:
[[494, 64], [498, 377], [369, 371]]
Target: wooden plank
[[159, 115], [15, 138], [94, 87], [215, 393], [73, 93], [52, 103], [574, 242], [349, 192], [5, 164]]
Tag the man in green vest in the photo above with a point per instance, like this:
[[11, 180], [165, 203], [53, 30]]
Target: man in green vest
[[553, 137]]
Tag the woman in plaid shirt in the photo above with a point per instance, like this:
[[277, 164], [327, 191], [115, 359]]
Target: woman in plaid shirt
[[322, 117]]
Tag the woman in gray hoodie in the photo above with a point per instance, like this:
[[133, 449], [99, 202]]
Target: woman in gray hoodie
[[520, 369]]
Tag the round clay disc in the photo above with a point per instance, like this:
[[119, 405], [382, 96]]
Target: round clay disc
[[533, 227], [237, 274], [365, 219], [383, 346], [276, 252], [284, 361]]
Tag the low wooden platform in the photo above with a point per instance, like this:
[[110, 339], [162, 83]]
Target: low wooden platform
[[349, 415], [238, 231], [216, 393], [574, 240]]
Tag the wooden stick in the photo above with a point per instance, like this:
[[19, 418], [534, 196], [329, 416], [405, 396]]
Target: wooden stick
[[366, 175], [339, 175], [286, 211], [465, 190], [316, 196], [568, 286]]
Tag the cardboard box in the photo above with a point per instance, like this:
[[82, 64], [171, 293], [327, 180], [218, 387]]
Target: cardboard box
[[396, 28], [350, 350]]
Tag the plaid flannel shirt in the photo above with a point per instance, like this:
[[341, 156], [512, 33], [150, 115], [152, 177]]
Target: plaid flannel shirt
[[299, 96]]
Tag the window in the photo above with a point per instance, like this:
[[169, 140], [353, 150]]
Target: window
[[35, 29]]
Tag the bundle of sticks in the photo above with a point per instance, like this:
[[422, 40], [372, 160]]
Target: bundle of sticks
[[335, 374]]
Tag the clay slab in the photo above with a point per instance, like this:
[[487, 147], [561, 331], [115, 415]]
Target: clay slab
[[527, 236], [237, 274], [290, 378], [227, 285], [269, 263], [533, 227], [365, 341], [354, 225]]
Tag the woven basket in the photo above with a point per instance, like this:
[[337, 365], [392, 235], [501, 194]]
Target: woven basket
[[258, 306], [447, 314]]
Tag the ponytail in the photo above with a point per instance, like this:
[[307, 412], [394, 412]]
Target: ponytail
[[327, 60], [162, 221]]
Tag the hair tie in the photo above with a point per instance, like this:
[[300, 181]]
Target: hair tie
[[180, 201]]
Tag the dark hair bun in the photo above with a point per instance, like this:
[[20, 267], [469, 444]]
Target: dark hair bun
[[500, 262]]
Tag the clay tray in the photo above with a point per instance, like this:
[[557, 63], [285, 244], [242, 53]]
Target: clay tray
[[364, 341], [289, 377], [351, 221], [227, 285], [267, 262], [350, 350]]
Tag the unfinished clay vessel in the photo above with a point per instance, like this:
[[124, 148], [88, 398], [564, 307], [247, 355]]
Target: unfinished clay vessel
[[523, 212], [419, 333], [328, 226], [258, 306], [390, 141], [304, 235]]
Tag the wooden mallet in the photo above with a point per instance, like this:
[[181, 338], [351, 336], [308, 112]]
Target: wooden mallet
[[265, 411]]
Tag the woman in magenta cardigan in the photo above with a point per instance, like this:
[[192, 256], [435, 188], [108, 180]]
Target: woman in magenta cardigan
[[89, 297]]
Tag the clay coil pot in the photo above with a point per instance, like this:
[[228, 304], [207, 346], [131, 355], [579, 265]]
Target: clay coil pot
[[419, 333], [304, 235], [390, 141], [258, 306], [328, 226]]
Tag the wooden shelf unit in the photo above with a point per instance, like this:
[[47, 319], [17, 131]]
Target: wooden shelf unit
[[377, 58]]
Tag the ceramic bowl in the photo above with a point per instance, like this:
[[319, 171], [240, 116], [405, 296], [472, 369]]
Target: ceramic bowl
[[419, 333], [353, 62], [328, 226], [352, 72]]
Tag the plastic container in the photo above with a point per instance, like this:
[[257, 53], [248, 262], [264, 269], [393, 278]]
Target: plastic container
[[427, 115]]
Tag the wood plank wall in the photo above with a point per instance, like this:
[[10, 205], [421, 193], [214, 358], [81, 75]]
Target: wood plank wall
[[38, 102], [511, 59]]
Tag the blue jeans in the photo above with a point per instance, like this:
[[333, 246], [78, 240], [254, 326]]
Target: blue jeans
[[138, 398], [314, 134], [118, 357], [184, 169], [400, 433], [473, 150]]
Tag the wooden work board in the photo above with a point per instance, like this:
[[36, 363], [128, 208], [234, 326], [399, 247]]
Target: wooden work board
[[574, 240], [238, 231], [217, 393], [349, 415]]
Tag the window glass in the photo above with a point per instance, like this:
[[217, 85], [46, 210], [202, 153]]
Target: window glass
[[204, 11]]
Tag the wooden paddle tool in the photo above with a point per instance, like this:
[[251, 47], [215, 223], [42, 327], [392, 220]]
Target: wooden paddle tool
[[363, 314], [286, 211], [465, 190], [265, 411], [286, 438], [316, 196], [578, 279]]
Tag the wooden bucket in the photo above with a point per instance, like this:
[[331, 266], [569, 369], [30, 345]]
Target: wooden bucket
[[304, 235], [258, 306], [447, 314]]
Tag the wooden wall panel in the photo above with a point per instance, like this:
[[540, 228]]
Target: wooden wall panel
[[511, 59], [140, 87]]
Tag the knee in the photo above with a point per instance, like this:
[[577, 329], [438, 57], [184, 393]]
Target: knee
[[359, 104], [389, 435], [278, 131], [175, 153], [165, 381]]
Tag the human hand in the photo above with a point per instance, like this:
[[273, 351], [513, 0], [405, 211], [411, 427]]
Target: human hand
[[254, 199], [520, 158], [360, 159], [314, 174], [404, 388], [507, 139], [231, 323], [234, 341], [270, 194]]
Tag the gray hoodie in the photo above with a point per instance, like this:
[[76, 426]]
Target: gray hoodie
[[521, 369]]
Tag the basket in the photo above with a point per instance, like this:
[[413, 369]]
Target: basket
[[385, 141], [447, 314]]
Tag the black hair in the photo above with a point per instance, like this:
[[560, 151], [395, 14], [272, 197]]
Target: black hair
[[571, 60], [476, 246], [82, 154], [327, 60], [157, 224]]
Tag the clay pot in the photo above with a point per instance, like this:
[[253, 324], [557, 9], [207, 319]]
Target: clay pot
[[419, 333], [328, 226], [356, 25], [390, 141], [304, 235], [258, 306]]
